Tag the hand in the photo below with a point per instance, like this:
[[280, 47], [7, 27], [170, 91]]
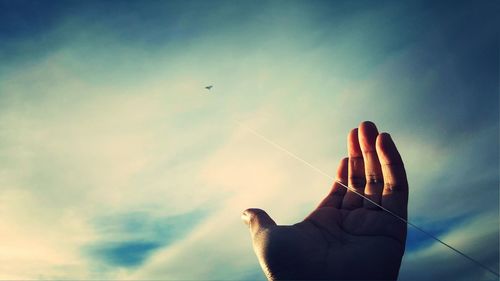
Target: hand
[[346, 236]]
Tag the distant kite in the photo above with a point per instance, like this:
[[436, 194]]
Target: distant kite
[[209, 87]]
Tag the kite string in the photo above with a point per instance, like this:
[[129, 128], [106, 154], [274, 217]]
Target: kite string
[[295, 156]]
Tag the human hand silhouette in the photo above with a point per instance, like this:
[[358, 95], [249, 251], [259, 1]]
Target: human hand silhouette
[[346, 237]]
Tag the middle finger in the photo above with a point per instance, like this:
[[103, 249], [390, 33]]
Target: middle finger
[[373, 172]]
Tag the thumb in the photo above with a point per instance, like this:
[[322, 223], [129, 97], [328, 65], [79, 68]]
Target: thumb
[[257, 220]]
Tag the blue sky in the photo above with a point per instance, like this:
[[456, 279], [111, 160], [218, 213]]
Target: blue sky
[[115, 163]]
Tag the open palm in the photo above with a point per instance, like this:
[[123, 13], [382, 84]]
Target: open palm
[[346, 236]]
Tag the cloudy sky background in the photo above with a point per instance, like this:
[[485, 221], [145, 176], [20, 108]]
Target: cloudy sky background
[[115, 163]]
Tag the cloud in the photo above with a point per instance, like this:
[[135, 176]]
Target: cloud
[[126, 254], [110, 147], [127, 240], [477, 237]]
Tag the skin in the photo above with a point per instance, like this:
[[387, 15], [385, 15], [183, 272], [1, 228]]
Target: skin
[[346, 237]]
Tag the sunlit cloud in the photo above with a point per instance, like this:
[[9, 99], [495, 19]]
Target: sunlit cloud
[[116, 163]]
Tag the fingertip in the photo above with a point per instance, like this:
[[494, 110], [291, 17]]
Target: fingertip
[[353, 134], [342, 169], [388, 152], [353, 147], [368, 133], [249, 214], [368, 128], [245, 217], [384, 139], [367, 125], [257, 218]]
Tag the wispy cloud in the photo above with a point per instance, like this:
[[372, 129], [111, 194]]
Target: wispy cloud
[[478, 238], [116, 163], [127, 240]]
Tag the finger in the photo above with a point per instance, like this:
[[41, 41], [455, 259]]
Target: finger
[[334, 198], [373, 172], [395, 194], [257, 220], [355, 173]]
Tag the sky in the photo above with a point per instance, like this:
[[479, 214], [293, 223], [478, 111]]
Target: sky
[[116, 163]]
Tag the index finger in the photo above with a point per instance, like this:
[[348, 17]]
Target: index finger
[[395, 193]]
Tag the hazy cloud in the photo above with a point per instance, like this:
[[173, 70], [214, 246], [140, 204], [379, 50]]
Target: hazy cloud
[[116, 163]]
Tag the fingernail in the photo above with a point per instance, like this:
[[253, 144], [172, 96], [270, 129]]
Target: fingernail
[[245, 217]]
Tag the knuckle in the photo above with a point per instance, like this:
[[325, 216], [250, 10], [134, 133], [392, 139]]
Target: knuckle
[[391, 187], [357, 181], [374, 179]]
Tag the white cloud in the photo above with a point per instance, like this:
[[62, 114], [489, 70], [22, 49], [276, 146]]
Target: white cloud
[[126, 129]]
